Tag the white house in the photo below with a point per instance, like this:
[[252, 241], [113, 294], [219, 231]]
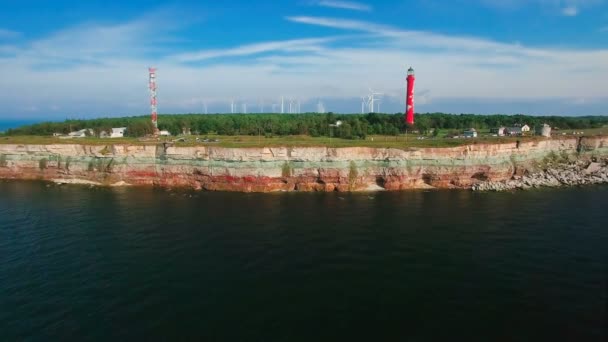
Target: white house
[[500, 131], [80, 134], [513, 131], [544, 130], [525, 128], [118, 132], [164, 133], [470, 133]]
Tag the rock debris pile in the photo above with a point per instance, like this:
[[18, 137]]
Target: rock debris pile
[[570, 174]]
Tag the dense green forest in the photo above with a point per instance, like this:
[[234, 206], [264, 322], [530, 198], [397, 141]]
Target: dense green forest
[[354, 126]]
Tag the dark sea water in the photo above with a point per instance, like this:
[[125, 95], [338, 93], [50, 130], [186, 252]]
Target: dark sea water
[[142, 264], [7, 124]]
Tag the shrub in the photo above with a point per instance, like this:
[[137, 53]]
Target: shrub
[[286, 170], [105, 150], [3, 162], [353, 173], [43, 163]]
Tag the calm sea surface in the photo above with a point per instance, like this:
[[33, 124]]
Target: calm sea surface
[[144, 264], [6, 124]]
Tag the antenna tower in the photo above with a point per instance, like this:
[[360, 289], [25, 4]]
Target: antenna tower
[[153, 103]]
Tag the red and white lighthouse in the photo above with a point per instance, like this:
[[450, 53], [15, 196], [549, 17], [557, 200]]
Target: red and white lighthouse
[[409, 101]]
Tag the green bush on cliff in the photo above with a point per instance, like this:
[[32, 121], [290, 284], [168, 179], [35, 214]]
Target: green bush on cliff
[[354, 126], [286, 170], [43, 163], [353, 173], [105, 151]]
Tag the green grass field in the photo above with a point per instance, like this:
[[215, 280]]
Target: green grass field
[[402, 141]]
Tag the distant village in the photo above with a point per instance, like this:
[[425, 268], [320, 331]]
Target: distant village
[[514, 131], [113, 133], [503, 131]]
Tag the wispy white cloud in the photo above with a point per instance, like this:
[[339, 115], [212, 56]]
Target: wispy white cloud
[[112, 78], [604, 29], [563, 7], [349, 5], [9, 34], [570, 11], [296, 45]]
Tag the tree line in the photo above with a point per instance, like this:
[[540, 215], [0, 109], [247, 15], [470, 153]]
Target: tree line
[[354, 126]]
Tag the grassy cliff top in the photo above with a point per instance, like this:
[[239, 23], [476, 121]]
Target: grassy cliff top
[[401, 141]]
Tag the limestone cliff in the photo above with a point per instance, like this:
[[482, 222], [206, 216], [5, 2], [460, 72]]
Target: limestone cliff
[[286, 168]]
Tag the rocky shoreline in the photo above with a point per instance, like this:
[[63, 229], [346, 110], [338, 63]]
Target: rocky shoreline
[[571, 173]]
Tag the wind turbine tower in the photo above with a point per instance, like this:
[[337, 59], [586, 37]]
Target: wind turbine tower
[[320, 107], [363, 104], [372, 100]]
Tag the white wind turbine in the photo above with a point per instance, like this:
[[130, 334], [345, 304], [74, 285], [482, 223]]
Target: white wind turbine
[[364, 103], [372, 99], [320, 107], [293, 105]]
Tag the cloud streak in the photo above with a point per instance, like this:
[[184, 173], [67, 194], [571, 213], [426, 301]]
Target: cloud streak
[[98, 70], [9, 34], [570, 11], [349, 5], [563, 7], [296, 45]]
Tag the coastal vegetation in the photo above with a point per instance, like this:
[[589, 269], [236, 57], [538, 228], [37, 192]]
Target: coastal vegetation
[[354, 126]]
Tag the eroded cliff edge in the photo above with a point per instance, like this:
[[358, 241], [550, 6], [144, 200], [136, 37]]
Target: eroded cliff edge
[[290, 168]]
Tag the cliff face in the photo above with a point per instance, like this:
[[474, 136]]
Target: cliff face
[[286, 168]]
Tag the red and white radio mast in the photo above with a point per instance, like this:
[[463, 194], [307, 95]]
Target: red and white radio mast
[[153, 108], [409, 109]]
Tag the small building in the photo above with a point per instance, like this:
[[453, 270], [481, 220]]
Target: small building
[[186, 131], [544, 130], [81, 133], [513, 131], [57, 134], [164, 133], [524, 128], [470, 133], [118, 132], [500, 131]]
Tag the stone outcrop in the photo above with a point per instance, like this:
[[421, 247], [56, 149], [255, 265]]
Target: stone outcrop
[[291, 168], [567, 173]]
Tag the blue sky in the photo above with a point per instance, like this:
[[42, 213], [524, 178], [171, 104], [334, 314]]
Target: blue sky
[[77, 59]]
